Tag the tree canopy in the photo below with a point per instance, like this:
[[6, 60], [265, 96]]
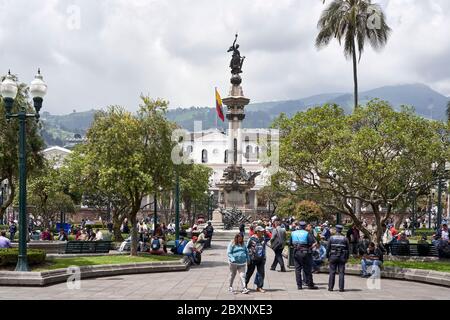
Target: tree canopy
[[376, 155]]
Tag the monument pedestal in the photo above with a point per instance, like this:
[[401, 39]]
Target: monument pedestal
[[217, 221]]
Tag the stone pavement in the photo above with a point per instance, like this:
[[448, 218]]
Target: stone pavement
[[209, 281]]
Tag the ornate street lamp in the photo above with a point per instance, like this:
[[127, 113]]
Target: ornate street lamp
[[9, 89], [177, 207], [155, 211]]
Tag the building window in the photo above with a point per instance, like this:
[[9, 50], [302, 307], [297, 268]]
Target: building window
[[248, 151], [226, 156], [257, 152], [204, 156], [190, 149], [235, 150]]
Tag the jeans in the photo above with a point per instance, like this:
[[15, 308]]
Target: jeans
[[235, 268], [366, 262], [259, 266]]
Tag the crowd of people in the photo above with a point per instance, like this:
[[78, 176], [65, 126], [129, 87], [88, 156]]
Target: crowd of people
[[312, 246]]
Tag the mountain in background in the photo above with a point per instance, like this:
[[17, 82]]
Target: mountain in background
[[427, 103]]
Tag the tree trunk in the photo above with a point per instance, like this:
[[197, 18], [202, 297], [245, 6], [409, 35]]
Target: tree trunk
[[8, 201], [117, 223], [355, 75], [134, 233]]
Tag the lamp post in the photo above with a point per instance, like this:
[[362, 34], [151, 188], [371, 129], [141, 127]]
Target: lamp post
[[439, 205], [430, 205], [155, 208], [441, 184], [177, 207], [414, 199], [338, 218], [9, 89], [210, 196]]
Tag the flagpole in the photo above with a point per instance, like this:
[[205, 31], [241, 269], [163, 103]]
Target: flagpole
[[216, 116]]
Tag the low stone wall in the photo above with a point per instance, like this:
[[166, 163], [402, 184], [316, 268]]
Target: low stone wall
[[39, 279], [47, 246], [416, 275]]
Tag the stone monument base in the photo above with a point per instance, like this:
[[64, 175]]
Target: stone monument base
[[217, 221]]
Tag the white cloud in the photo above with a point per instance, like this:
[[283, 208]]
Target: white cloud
[[177, 49]]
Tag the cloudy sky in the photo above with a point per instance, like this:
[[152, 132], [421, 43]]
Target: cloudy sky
[[103, 52]]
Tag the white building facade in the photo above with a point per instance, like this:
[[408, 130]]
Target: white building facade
[[210, 148]]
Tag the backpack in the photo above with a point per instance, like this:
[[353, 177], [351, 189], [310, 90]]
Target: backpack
[[155, 244], [180, 246], [257, 250]]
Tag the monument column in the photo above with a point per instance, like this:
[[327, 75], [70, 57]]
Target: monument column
[[236, 182], [239, 143], [230, 142]]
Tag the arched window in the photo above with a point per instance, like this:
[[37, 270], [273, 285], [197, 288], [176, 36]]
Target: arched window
[[248, 151], [204, 156], [226, 156], [235, 150]]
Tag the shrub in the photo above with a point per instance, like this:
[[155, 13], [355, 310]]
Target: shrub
[[10, 256]]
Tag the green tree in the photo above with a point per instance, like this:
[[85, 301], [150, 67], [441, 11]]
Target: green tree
[[308, 211], [9, 145], [46, 194], [194, 182], [353, 22], [376, 155], [127, 157]]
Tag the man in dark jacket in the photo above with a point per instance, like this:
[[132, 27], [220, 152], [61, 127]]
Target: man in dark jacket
[[353, 238], [277, 243], [209, 233], [337, 253]]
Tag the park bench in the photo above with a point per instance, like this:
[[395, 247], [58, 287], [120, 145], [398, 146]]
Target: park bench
[[413, 250], [88, 247]]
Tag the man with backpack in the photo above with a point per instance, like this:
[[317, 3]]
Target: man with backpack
[[256, 246]]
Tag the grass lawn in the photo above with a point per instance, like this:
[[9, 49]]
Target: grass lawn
[[59, 263], [442, 266]]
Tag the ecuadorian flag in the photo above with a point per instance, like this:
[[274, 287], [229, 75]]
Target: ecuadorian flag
[[219, 106]]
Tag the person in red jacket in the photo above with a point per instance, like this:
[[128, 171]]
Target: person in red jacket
[[46, 235]]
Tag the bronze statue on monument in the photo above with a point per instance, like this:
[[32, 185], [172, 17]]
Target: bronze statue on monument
[[236, 61]]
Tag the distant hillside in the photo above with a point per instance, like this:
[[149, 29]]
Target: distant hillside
[[427, 102]]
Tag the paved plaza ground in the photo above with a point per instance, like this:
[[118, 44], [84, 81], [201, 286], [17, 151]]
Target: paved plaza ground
[[209, 281]]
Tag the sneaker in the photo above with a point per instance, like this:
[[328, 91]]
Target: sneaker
[[245, 291], [230, 290], [260, 290]]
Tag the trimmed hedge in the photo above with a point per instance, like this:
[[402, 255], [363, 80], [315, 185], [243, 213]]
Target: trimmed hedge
[[10, 256]]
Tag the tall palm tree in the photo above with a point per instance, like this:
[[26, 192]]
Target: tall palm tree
[[353, 22]]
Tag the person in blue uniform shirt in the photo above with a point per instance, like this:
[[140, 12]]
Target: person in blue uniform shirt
[[302, 242]]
